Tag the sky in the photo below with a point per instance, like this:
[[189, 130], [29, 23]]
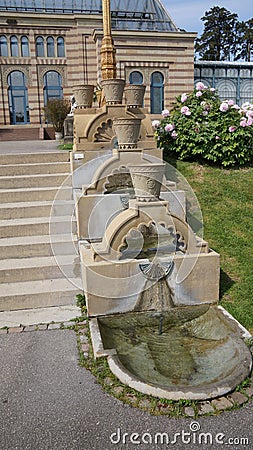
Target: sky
[[187, 13]]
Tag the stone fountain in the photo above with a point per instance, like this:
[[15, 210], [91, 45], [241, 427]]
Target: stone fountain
[[151, 283]]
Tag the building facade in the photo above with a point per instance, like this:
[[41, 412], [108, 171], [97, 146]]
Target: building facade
[[46, 47]]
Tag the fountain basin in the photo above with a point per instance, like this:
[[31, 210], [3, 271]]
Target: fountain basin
[[190, 352]]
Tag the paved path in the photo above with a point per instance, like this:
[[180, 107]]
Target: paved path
[[48, 402]]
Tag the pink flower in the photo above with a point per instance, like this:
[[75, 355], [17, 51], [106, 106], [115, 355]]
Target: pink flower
[[231, 129], [169, 127], [165, 113], [217, 138], [212, 89], [184, 98], [231, 102], [174, 134], [243, 122], [249, 121], [223, 107], [155, 123], [198, 94], [236, 107], [200, 86], [185, 110]]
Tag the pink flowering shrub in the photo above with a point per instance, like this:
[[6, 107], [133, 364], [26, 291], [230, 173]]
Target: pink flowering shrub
[[201, 127]]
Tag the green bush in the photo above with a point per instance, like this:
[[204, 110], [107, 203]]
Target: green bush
[[56, 111], [202, 128]]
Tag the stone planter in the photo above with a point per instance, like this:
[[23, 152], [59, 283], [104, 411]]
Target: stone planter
[[83, 94], [113, 90], [134, 95], [127, 131], [147, 180], [58, 135]]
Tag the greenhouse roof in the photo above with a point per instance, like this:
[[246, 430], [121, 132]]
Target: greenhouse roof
[[144, 15]]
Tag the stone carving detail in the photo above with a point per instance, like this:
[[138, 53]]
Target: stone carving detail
[[104, 132], [147, 181], [119, 179], [157, 270], [6, 70], [134, 94], [148, 240], [57, 68], [113, 90]]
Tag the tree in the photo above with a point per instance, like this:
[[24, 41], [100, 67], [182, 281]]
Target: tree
[[56, 111], [219, 35], [247, 40]]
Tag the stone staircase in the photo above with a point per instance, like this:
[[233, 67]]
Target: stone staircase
[[39, 261]]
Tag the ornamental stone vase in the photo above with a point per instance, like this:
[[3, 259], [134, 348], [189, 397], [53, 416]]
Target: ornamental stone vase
[[147, 180], [113, 90], [83, 94], [134, 95], [127, 130]]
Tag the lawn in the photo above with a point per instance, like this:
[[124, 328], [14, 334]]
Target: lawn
[[226, 201]]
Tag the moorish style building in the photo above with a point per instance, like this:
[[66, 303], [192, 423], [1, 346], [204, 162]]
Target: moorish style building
[[47, 46]]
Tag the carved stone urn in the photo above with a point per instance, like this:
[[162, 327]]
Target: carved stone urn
[[83, 94], [147, 181], [134, 95], [127, 130], [113, 90]]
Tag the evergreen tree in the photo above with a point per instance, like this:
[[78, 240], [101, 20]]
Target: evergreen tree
[[219, 39], [246, 52]]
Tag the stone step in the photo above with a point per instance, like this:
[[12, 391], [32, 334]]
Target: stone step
[[38, 294], [37, 226], [22, 210], [28, 181], [33, 169], [35, 194], [33, 158], [39, 268], [31, 246]]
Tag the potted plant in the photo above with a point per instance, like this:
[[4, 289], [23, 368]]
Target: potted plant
[[55, 113]]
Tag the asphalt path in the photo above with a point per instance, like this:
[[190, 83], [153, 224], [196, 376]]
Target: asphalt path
[[49, 402]]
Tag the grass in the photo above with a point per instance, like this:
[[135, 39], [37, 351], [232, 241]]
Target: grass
[[65, 146], [226, 201]]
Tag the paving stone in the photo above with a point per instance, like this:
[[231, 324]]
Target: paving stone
[[83, 330], [131, 398], [42, 326], [15, 329], [205, 408], [238, 398], [69, 324], [118, 389], [84, 339], [222, 403], [31, 328], [108, 381], [5, 331], [54, 326], [144, 403], [84, 322], [249, 391], [85, 348], [165, 409], [189, 411]]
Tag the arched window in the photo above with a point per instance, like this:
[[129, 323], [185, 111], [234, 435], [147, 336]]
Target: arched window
[[24, 46], [157, 93], [18, 99], [60, 47], [52, 86], [50, 47], [14, 46], [3, 46], [40, 52], [136, 77]]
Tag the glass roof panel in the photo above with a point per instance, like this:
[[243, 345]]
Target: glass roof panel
[[126, 14]]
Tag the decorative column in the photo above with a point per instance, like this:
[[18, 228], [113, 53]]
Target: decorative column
[[107, 52]]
